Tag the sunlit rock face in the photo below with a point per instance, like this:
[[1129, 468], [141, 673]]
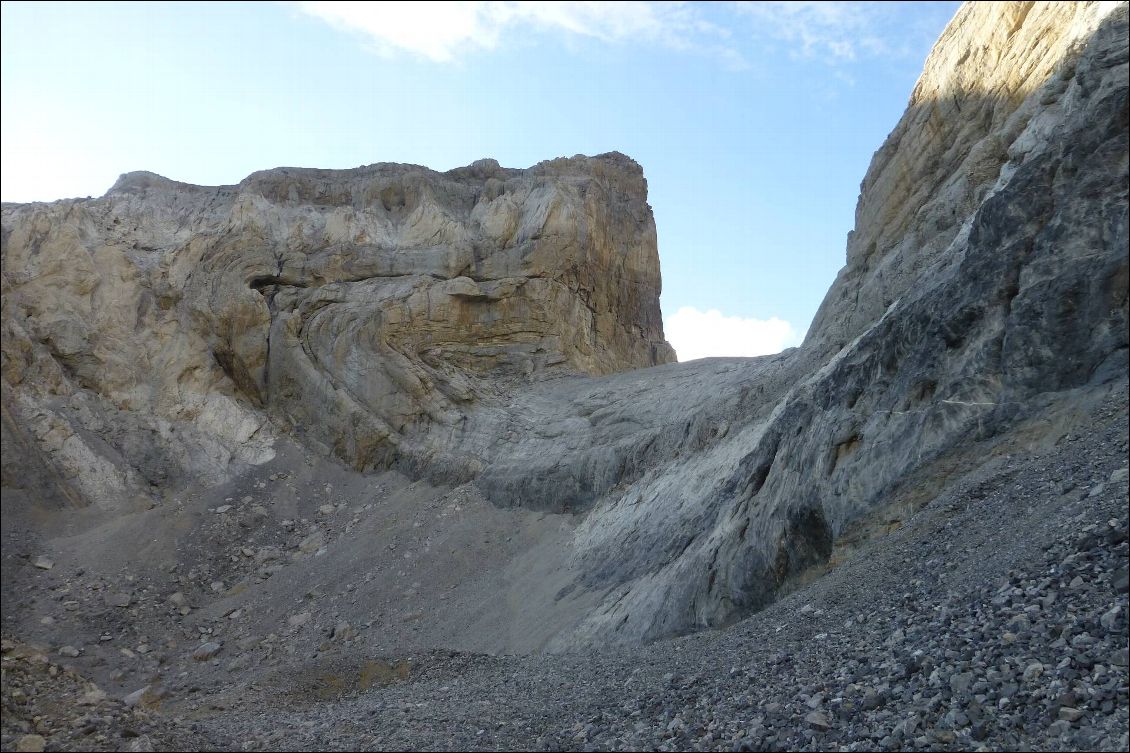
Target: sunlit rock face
[[501, 327], [994, 89], [368, 310]]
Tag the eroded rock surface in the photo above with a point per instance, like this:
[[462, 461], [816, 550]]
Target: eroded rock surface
[[150, 334], [998, 285], [501, 328]]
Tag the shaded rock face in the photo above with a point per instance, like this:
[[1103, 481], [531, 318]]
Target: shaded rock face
[[370, 310], [491, 325], [987, 275]]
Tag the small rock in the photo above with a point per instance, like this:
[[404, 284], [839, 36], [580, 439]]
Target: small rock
[[140, 744], [222, 509], [92, 697], [1117, 477], [343, 631], [1069, 714], [312, 543], [177, 599], [70, 651], [1121, 580], [118, 599], [818, 720], [206, 651], [960, 682], [31, 744], [136, 698], [298, 620], [43, 563]]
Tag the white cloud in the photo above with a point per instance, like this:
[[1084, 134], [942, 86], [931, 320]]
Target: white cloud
[[839, 32], [441, 31], [835, 33], [700, 334]]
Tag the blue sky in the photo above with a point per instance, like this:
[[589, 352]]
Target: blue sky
[[754, 122]]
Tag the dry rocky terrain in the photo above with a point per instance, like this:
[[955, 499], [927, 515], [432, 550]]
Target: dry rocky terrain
[[392, 459]]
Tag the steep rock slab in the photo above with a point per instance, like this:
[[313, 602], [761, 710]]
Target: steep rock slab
[[1018, 299], [968, 119]]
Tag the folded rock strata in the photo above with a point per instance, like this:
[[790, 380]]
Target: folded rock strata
[[502, 327], [369, 311]]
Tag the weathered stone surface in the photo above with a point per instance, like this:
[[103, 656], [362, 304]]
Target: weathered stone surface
[[369, 310], [206, 651], [972, 118], [749, 476], [472, 325]]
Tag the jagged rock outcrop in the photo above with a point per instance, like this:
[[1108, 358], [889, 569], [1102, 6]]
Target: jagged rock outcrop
[[473, 326], [369, 310]]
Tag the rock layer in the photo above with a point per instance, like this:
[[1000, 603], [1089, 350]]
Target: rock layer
[[368, 310], [473, 325], [1002, 289]]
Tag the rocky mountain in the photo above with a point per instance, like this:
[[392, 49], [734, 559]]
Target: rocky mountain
[[370, 311], [450, 392]]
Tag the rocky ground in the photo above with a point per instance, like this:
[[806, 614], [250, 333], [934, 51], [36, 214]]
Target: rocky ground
[[993, 617]]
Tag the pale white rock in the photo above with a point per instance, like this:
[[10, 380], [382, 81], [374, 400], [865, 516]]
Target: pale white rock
[[206, 651], [312, 542], [298, 620]]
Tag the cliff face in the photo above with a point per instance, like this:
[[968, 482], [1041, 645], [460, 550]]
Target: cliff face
[[986, 280], [369, 310], [972, 118], [165, 335]]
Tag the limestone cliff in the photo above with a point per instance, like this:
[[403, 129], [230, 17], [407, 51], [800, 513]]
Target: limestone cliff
[[368, 310], [986, 279], [492, 326], [992, 90]]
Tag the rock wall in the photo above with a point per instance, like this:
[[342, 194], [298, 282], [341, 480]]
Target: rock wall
[[367, 310], [492, 325], [987, 277], [972, 114]]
